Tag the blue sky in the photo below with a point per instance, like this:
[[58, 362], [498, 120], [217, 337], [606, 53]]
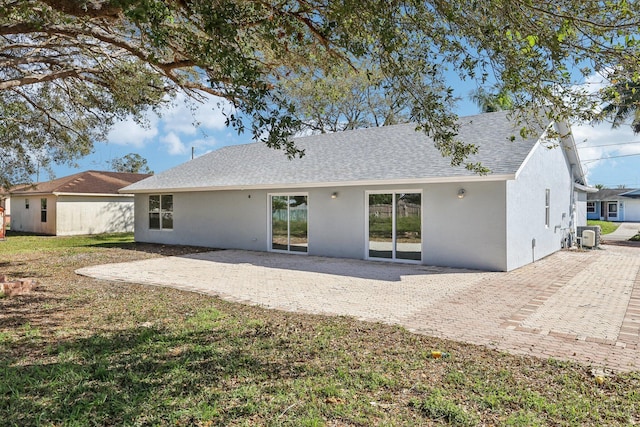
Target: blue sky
[[610, 156]]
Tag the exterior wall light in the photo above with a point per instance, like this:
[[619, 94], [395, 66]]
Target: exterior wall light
[[461, 193], [334, 195]]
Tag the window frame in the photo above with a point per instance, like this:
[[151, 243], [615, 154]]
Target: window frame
[[289, 195], [612, 213], [43, 209], [162, 211], [394, 230], [591, 207], [26, 203], [547, 207]]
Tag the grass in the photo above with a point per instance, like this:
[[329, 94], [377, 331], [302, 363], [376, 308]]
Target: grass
[[26, 242], [82, 352], [606, 227]]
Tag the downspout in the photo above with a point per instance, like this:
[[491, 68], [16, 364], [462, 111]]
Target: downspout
[[573, 230]]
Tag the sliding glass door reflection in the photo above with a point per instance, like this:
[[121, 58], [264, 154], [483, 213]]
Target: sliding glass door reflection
[[289, 227], [395, 226], [381, 225], [408, 226]]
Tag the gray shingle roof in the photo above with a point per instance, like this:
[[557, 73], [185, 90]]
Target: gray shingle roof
[[391, 153], [611, 194]]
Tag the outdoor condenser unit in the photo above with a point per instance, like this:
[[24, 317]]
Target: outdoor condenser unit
[[589, 238]]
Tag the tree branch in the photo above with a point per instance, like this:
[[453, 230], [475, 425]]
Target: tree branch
[[40, 78]]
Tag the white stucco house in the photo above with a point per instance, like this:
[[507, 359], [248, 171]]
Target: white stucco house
[[83, 203], [377, 194]]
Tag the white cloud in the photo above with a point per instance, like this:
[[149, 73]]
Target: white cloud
[[187, 116], [133, 134], [599, 145], [173, 143], [180, 122]]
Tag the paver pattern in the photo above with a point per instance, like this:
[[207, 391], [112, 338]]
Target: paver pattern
[[574, 305]]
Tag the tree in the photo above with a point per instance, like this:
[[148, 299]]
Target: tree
[[489, 102], [132, 163], [70, 68], [343, 98], [600, 186], [622, 103]]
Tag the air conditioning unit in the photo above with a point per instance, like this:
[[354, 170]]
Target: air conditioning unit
[[589, 238]]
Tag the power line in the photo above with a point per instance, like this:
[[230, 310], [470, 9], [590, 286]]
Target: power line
[[610, 157], [611, 145]]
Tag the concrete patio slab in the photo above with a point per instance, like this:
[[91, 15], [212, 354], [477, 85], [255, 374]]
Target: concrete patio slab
[[573, 305]]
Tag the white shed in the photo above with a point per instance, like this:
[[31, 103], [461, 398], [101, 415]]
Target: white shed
[[83, 203]]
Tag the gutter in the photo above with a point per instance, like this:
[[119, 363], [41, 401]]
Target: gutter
[[584, 188], [407, 181], [56, 193]]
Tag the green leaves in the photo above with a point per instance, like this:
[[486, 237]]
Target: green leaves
[[108, 59]]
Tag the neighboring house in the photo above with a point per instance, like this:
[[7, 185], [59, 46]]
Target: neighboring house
[[614, 205], [84, 203], [380, 194]]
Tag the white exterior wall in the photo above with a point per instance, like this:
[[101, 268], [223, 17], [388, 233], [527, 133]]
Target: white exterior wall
[[581, 208], [28, 220], [528, 239], [632, 210], [467, 232], [77, 215]]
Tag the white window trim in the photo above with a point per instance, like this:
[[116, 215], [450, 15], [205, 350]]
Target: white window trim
[[44, 209], [547, 207], [393, 219], [593, 204], [270, 228], [160, 228]]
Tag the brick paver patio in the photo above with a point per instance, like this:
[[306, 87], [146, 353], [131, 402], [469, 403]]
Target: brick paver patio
[[573, 305]]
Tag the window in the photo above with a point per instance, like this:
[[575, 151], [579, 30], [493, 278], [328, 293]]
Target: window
[[591, 207], [289, 222], [547, 207], [161, 212], [43, 210], [26, 203], [613, 210]]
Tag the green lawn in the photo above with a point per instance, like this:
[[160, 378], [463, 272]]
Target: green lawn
[[606, 227], [25, 242], [81, 352]]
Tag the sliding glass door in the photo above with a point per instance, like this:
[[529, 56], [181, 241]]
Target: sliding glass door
[[395, 226], [289, 229]]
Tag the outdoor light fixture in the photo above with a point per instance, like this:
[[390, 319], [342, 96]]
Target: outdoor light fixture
[[461, 193], [334, 195]]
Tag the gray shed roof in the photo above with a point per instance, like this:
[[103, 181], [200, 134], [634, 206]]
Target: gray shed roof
[[373, 155]]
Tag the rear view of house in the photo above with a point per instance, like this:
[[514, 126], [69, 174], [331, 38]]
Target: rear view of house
[[378, 194], [83, 203]]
